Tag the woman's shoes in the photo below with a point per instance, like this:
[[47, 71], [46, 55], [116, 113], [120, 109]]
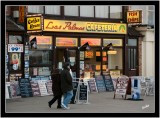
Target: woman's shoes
[[49, 105]]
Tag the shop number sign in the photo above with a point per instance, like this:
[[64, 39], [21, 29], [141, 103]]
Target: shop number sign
[[15, 47]]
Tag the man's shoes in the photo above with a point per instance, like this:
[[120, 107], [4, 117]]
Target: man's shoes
[[66, 108], [59, 107], [49, 105]]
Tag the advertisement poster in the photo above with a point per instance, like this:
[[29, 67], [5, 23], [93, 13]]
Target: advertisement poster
[[121, 87], [82, 65], [81, 55]]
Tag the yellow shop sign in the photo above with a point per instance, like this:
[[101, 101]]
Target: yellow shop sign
[[84, 27], [34, 23]]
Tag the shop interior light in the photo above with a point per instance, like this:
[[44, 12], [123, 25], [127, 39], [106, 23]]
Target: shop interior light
[[111, 52]]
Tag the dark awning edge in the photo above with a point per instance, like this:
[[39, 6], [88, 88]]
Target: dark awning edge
[[12, 26]]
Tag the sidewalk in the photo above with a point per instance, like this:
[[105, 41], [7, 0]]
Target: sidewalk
[[98, 103]]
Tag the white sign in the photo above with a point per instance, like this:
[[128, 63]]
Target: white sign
[[15, 47], [42, 87]]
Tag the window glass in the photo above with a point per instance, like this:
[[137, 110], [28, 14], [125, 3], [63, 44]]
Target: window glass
[[40, 57], [52, 10], [101, 11], [40, 42], [132, 42], [35, 9], [71, 10], [87, 11], [116, 12], [115, 59], [150, 18], [40, 71], [15, 39]]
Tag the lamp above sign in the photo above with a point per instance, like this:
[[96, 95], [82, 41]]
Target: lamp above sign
[[134, 16]]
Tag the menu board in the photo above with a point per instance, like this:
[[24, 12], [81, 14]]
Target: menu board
[[75, 86], [83, 94], [42, 87], [25, 88], [100, 83], [35, 88], [92, 85], [108, 83]]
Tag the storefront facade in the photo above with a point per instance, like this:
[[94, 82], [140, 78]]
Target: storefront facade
[[58, 41]]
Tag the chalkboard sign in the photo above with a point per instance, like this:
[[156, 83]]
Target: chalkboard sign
[[83, 92], [108, 82], [92, 85], [25, 88], [100, 83], [75, 86]]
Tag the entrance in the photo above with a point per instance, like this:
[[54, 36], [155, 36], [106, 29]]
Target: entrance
[[67, 55]]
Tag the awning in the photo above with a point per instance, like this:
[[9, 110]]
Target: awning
[[133, 32], [12, 26]]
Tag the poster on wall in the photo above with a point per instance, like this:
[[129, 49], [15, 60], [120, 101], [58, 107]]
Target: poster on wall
[[26, 49], [81, 65], [26, 64], [16, 61], [81, 55], [15, 47]]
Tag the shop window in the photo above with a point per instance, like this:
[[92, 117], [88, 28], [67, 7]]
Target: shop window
[[40, 42], [55, 10], [115, 60], [101, 11], [116, 12], [40, 57], [40, 71], [71, 10], [15, 39]]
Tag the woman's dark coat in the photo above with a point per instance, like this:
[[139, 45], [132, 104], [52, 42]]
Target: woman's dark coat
[[56, 84], [66, 79]]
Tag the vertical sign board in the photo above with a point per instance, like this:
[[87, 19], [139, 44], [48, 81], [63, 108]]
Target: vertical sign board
[[25, 88], [15, 89], [121, 86], [35, 88], [100, 83], [135, 87], [108, 83], [75, 86], [92, 85], [49, 87], [42, 87]]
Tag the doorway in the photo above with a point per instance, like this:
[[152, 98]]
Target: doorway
[[67, 55]]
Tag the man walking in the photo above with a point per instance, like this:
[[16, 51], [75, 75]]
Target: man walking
[[66, 85]]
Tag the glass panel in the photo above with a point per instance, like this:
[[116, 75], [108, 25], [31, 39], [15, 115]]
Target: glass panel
[[15, 39], [101, 11], [116, 12], [52, 10], [40, 57], [135, 60], [71, 10], [132, 42], [87, 11], [35, 9], [129, 63], [132, 59], [15, 61]]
